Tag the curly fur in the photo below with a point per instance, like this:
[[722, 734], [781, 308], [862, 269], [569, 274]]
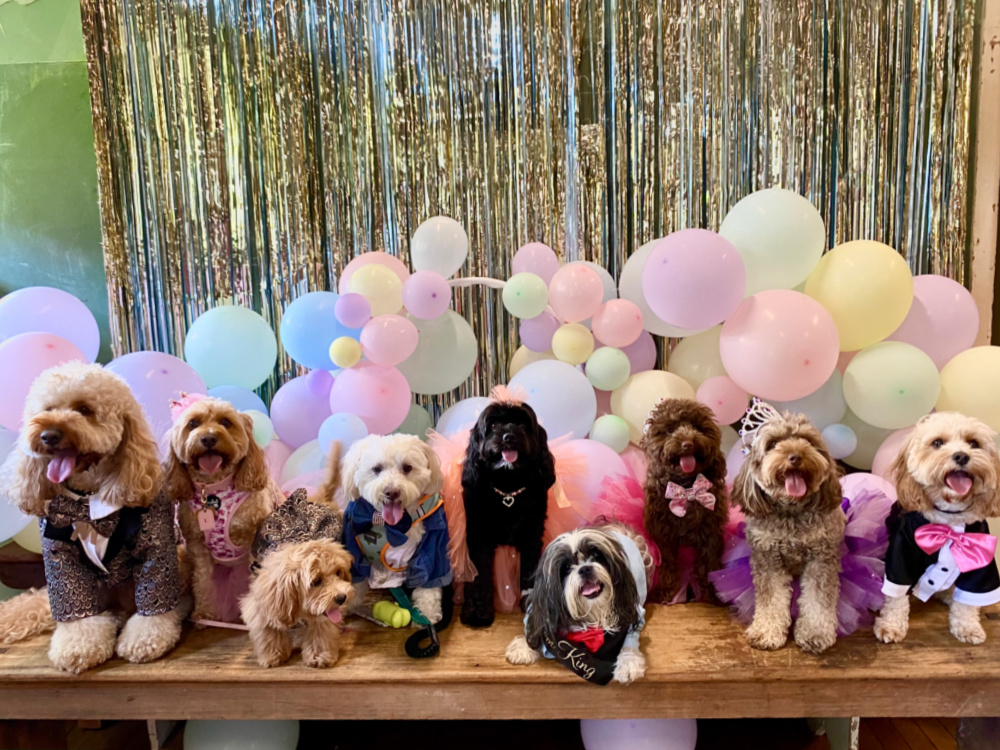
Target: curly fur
[[214, 426], [676, 428], [486, 476], [792, 535]]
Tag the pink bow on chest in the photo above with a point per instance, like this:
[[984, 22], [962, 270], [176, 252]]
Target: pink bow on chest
[[971, 551], [700, 492]]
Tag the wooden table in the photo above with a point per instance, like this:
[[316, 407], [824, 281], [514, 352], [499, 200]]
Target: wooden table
[[699, 666]]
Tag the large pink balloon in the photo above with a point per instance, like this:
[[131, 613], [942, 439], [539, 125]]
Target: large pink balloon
[[155, 379], [388, 339], [23, 357], [943, 320], [276, 454], [600, 460], [888, 452], [43, 309], [575, 292], [391, 262], [779, 345], [379, 395], [727, 400], [618, 323], [298, 410], [694, 279], [536, 258]]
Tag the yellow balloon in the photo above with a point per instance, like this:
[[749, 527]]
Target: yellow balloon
[[641, 392], [970, 384], [572, 343], [380, 286], [866, 287], [870, 440], [345, 351], [696, 358], [29, 538], [524, 357]]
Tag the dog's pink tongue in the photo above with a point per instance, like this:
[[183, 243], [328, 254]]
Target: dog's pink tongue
[[392, 513], [210, 463], [687, 464], [795, 485], [959, 482], [590, 588], [334, 615], [61, 466], [510, 456]]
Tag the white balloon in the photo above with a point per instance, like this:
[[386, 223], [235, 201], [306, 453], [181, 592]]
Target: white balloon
[[462, 415], [234, 734], [561, 395], [441, 245], [306, 458], [12, 520], [823, 407], [445, 356], [630, 288], [639, 734]]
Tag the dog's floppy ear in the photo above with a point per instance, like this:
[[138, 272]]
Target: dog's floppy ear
[[547, 612], [992, 482], [477, 436], [434, 465], [547, 463], [133, 472], [276, 594], [349, 467], [251, 475], [747, 494], [177, 483], [625, 602], [910, 495], [23, 479]]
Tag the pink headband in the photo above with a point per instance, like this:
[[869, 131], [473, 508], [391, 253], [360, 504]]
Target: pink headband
[[511, 397], [179, 406]]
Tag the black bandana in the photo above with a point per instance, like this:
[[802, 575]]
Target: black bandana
[[597, 667]]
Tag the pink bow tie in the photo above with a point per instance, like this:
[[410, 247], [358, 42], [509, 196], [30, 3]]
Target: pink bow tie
[[700, 492], [971, 551]]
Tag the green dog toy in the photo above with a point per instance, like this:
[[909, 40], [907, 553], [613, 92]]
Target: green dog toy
[[391, 614]]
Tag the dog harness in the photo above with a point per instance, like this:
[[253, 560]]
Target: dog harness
[[214, 505]]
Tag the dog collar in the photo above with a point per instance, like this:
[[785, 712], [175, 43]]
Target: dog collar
[[509, 497], [78, 493]]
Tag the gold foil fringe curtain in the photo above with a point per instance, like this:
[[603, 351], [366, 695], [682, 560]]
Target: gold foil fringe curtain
[[248, 149]]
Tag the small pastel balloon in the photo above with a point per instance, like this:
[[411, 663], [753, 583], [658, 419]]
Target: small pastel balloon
[[735, 459], [231, 345], [277, 454], [694, 278], [439, 245], [155, 379], [536, 258], [240, 398], [824, 406], [729, 438], [612, 431], [309, 325], [630, 288], [320, 382], [891, 385], [575, 293], [888, 452], [263, 428], [29, 538], [536, 333], [641, 353], [426, 295], [388, 339], [727, 400], [697, 358], [779, 345], [639, 734], [943, 320], [305, 459], [344, 427], [617, 323], [380, 286], [524, 357], [378, 258], [353, 310], [43, 309], [840, 441], [417, 422], [297, 412], [607, 280], [561, 395], [23, 357], [866, 287], [378, 394], [607, 368], [779, 234], [345, 352], [445, 356], [572, 343], [969, 385], [462, 415], [525, 295], [869, 439], [634, 400]]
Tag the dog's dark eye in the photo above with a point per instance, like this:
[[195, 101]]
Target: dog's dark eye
[[495, 428], [377, 469], [973, 444], [937, 443], [317, 582], [84, 411], [193, 424], [225, 423], [407, 468]]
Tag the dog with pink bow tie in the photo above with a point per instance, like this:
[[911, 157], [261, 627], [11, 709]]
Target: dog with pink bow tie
[[686, 505]]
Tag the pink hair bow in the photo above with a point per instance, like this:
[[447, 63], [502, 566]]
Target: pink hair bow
[[179, 405], [971, 551], [700, 492]]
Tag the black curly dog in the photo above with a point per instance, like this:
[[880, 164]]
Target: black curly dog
[[506, 477]]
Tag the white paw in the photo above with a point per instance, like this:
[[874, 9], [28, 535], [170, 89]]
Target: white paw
[[428, 601], [969, 632], [630, 666], [148, 637], [78, 645], [814, 640], [519, 652], [890, 629], [766, 639]]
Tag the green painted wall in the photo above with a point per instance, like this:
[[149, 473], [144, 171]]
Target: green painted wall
[[50, 227]]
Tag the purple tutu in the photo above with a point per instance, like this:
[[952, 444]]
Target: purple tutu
[[862, 562]]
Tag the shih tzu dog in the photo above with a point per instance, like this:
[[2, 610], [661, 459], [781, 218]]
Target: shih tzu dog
[[789, 490], [946, 481], [506, 477], [586, 609]]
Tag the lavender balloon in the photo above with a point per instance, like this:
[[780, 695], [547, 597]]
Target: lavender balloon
[[155, 378], [426, 295], [297, 412], [353, 310], [536, 333], [241, 398], [42, 309]]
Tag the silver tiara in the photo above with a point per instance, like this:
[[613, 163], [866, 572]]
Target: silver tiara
[[759, 414]]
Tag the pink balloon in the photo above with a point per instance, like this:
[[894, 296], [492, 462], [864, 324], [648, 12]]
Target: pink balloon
[[734, 462], [155, 379], [391, 262], [694, 279], [426, 295], [575, 292], [943, 320], [276, 454], [388, 339], [779, 345], [352, 310], [617, 323], [601, 461], [635, 459], [641, 353], [23, 357], [297, 412], [536, 333], [378, 394], [43, 309], [603, 402], [853, 484], [888, 452], [727, 400], [536, 258]]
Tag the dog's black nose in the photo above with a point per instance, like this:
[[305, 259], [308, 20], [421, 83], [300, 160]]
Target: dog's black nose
[[795, 459], [52, 438], [392, 495], [508, 437], [687, 446], [340, 598], [959, 458], [586, 572], [209, 441]]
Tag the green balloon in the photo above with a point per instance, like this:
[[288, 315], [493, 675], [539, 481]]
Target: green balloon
[[891, 385], [612, 431], [417, 422], [525, 295], [608, 368], [263, 428]]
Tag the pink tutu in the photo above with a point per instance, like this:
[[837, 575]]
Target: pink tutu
[[230, 582], [623, 500]]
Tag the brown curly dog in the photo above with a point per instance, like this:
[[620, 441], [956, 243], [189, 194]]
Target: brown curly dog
[[683, 449]]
